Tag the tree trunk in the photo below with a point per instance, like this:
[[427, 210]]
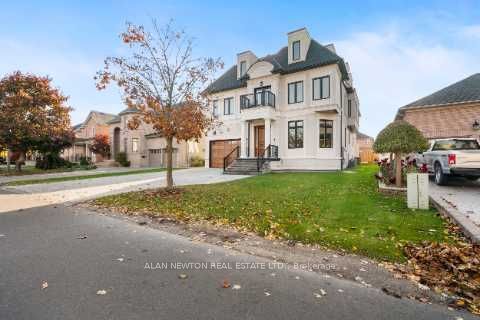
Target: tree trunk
[[20, 161], [8, 159], [169, 162], [398, 169]]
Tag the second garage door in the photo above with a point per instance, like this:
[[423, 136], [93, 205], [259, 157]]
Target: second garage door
[[220, 149]]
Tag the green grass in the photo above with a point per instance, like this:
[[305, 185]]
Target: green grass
[[339, 210], [28, 170], [84, 177]]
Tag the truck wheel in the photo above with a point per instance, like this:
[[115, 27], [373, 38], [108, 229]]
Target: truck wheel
[[440, 177]]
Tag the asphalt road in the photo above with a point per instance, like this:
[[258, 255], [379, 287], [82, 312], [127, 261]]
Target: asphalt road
[[78, 253]]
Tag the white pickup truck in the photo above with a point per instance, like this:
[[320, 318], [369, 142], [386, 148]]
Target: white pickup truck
[[452, 157]]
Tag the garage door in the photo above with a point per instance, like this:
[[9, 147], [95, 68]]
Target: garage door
[[220, 149], [158, 158]]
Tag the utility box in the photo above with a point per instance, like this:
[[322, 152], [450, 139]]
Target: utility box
[[417, 191]]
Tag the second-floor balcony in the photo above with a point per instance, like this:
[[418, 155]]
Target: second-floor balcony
[[259, 99]]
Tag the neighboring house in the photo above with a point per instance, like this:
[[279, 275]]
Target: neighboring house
[[145, 148], [365, 147], [451, 112], [95, 123], [299, 101]]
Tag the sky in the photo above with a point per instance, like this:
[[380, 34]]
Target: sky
[[398, 51]]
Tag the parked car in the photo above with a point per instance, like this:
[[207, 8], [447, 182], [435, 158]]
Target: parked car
[[452, 157]]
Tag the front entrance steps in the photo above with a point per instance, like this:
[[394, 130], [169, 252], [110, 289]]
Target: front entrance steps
[[248, 167]]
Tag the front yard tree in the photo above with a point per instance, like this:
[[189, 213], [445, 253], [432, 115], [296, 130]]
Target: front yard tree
[[399, 138], [30, 108], [101, 145], [162, 80]]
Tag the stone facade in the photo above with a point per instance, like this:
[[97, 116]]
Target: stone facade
[[260, 112]]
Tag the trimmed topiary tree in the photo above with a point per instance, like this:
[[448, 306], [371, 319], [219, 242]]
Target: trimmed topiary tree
[[400, 138]]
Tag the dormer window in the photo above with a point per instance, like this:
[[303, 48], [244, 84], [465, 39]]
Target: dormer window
[[296, 50], [243, 68]]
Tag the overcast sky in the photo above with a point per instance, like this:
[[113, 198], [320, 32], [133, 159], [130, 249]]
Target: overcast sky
[[398, 51]]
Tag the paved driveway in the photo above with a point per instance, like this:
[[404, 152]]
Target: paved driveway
[[29, 196], [463, 195]]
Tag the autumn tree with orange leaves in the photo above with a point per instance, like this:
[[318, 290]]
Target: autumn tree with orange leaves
[[101, 145], [30, 110], [162, 80]]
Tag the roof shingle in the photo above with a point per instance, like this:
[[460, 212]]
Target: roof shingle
[[317, 56], [463, 91]]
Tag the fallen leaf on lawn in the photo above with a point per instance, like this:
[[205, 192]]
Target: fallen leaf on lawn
[[120, 259], [82, 236], [226, 284], [297, 277], [267, 293], [182, 276], [44, 285], [317, 295], [340, 290], [236, 287], [101, 292], [323, 292]]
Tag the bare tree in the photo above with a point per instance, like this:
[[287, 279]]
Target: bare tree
[[163, 81]]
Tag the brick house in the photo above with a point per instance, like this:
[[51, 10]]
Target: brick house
[[453, 111], [95, 123]]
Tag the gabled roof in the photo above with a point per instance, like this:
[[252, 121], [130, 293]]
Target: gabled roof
[[463, 91], [317, 56], [128, 111], [363, 136]]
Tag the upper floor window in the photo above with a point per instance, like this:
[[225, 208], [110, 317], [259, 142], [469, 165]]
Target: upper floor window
[[134, 144], [228, 106], [243, 68], [215, 108], [295, 134], [326, 133], [321, 88], [349, 108], [295, 92], [296, 50]]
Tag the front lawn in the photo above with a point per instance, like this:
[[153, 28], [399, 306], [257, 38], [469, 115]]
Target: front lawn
[[340, 210], [83, 177], [28, 170]]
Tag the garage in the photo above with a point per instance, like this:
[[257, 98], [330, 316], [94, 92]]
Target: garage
[[158, 158], [219, 149]]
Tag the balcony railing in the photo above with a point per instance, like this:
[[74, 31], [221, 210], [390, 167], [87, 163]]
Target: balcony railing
[[259, 99]]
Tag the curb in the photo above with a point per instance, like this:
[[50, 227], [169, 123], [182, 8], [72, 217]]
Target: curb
[[470, 229]]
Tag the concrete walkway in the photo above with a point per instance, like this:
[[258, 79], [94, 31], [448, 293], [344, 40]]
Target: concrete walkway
[[36, 195], [460, 199]]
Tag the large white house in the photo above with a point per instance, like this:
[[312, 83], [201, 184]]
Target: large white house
[[296, 109]]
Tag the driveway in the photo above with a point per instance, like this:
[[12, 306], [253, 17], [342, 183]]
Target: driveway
[[461, 199], [28, 196]]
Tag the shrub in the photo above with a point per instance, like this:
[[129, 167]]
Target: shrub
[[197, 161], [51, 161], [400, 138], [84, 161], [121, 158]]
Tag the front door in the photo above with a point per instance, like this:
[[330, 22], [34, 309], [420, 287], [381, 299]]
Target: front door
[[259, 140]]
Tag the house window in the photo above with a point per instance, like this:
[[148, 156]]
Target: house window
[[295, 134], [93, 132], [349, 108], [134, 144], [295, 92], [215, 108], [321, 88], [243, 68], [228, 106], [326, 133], [296, 50]]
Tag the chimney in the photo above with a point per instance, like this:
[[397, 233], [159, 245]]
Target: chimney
[[298, 44], [244, 61]]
